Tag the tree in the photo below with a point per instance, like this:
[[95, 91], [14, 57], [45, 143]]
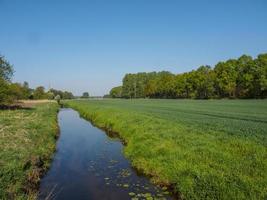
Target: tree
[[26, 90], [204, 82], [56, 92], [39, 93], [85, 95], [16, 91], [189, 84], [129, 86], [244, 81], [68, 95], [6, 73], [165, 85], [63, 95], [234, 78], [50, 95], [151, 88], [260, 76], [226, 77], [116, 92], [57, 98], [6, 69], [5, 97]]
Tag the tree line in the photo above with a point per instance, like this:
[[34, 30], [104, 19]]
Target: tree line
[[12, 92], [244, 77]]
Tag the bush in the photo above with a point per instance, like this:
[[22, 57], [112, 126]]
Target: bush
[[5, 97]]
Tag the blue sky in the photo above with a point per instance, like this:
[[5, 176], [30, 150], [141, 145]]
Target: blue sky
[[89, 45]]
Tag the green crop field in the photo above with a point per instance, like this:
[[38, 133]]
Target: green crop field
[[204, 149], [27, 142]]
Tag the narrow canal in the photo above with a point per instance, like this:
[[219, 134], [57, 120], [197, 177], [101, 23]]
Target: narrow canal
[[88, 164]]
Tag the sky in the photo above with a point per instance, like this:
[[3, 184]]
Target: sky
[[89, 46]]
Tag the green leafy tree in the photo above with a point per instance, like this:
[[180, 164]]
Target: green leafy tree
[[50, 95], [85, 95], [63, 95], [26, 90], [5, 97], [116, 92], [16, 91], [39, 93], [151, 88], [190, 84], [260, 76], [166, 87], [226, 78], [204, 82], [180, 83], [57, 98], [56, 92], [67, 95], [129, 86], [6, 69], [244, 81], [6, 73]]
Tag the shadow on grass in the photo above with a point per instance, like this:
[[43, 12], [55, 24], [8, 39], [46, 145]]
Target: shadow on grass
[[16, 107]]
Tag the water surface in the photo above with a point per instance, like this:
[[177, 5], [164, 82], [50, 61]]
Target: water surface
[[89, 164]]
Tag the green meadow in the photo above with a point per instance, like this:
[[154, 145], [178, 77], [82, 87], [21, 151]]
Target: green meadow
[[27, 142], [202, 149]]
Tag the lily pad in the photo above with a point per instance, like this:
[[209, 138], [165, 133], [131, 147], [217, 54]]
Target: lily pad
[[147, 195], [131, 193], [166, 192], [164, 188]]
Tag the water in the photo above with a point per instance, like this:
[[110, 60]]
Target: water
[[89, 164]]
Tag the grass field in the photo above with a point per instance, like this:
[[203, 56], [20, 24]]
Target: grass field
[[214, 149], [27, 142]]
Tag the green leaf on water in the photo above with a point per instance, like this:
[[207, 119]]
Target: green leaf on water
[[147, 195], [166, 192], [131, 193], [164, 188]]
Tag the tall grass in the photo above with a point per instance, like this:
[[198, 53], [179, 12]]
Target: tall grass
[[27, 142], [204, 149]]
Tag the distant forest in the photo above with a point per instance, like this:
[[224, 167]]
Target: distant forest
[[12, 92], [244, 77]]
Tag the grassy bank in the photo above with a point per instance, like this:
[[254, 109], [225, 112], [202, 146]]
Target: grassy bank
[[213, 149], [27, 142]]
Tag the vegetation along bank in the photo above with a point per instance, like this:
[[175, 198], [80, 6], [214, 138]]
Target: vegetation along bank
[[212, 149], [27, 142]]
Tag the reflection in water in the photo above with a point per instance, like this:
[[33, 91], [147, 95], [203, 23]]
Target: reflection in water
[[90, 165]]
